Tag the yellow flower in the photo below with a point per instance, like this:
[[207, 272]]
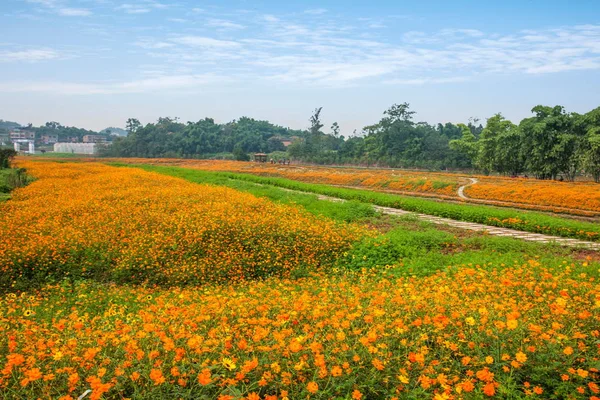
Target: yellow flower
[[229, 364]]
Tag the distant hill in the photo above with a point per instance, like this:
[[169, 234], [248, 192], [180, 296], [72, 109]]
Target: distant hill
[[8, 124], [114, 131]]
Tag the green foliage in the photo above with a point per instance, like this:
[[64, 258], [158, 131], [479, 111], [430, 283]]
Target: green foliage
[[11, 179], [200, 139], [239, 154], [6, 156]]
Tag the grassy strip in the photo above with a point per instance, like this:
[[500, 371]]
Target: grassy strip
[[506, 218]]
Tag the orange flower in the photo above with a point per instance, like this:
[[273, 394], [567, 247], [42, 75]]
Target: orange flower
[[157, 376], [489, 389], [312, 387], [204, 377], [521, 357]]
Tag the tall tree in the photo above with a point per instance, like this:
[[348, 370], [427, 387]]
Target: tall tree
[[467, 144], [591, 144], [487, 157], [549, 142], [132, 125]]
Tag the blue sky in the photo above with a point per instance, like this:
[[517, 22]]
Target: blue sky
[[95, 63]]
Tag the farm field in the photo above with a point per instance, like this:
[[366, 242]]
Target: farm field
[[135, 284], [583, 196], [491, 216], [577, 198]]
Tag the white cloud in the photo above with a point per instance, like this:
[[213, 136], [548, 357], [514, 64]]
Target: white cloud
[[223, 24], [32, 55], [150, 44], [74, 12], [201, 41], [330, 54], [316, 11], [46, 3], [423, 81], [158, 83], [270, 18], [133, 9]]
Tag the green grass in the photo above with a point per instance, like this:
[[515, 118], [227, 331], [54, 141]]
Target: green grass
[[508, 218], [10, 179], [410, 246]]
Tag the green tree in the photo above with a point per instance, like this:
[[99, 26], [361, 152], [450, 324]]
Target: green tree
[[132, 125], [550, 143], [239, 154], [509, 157], [487, 157], [467, 144], [591, 144], [6, 156]]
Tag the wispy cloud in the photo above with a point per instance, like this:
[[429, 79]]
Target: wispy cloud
[[224, 24], [33, 55], [299, 50], [423, 81], [133, 8], [316, 11], [59, 7], [74, 12], [158, 83], [201, 41]]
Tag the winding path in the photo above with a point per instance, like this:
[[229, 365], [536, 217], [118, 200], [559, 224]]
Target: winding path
[[472, 226], [461, 190]]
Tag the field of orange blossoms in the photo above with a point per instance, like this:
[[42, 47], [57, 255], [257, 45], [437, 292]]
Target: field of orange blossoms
[[570, 195], [435, 184], [94, 221], [124, 284], [520, 332]]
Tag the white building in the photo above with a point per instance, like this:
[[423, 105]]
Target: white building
[[76, 148]]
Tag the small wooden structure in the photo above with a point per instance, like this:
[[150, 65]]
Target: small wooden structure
[[260, 157]]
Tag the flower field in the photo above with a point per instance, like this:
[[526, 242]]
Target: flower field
[[118, 283], [520, 332], [125, 225], [426, 183], [570, 195]]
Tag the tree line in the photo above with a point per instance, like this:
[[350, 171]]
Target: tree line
[[551, 144]]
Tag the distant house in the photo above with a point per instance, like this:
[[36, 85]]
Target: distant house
[[94, 139], [285, 140], [49, 139], [4, 138], [21, 134]]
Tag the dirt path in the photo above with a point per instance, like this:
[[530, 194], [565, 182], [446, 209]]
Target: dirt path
[[491, 230], [461, 190]]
